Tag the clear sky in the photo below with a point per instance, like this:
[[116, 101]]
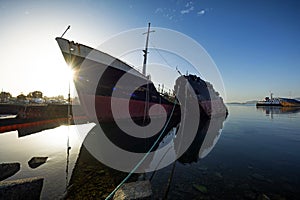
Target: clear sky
[[255, 44]]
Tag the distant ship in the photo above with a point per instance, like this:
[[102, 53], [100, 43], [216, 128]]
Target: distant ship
[[271, 101]]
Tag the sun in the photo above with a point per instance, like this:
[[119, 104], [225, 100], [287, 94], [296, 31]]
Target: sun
[[69, 73], [65, 74], [62, 77]]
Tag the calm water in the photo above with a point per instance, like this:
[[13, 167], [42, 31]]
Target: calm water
[[51, 143], [256, 155]]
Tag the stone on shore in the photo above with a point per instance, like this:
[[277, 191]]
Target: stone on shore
[[29, 188], [8, 169], [37, 161], [140, 190]]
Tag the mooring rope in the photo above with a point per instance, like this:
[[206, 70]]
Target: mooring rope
[[159, 163], [169, 181], [145, 156]]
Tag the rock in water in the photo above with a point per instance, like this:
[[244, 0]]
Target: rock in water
[[8, 169], [37, 161], [263, 197], [140, 190], [200, 188], [29, 188]]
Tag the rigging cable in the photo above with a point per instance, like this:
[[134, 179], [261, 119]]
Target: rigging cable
[[173, 168], [154, 47], [167, 151]]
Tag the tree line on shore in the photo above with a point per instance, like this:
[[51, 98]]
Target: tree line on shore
[[35, 96]]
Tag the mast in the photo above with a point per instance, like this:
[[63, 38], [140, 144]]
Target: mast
[[146, 109], [271, 95], [146, 49]]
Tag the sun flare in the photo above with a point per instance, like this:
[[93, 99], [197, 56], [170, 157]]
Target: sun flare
[[69, 73]]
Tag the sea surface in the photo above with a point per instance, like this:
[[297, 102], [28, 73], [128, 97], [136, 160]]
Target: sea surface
[[253, 154], [256, 157]]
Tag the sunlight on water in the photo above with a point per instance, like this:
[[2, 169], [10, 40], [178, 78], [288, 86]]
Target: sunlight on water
[[50, 143]]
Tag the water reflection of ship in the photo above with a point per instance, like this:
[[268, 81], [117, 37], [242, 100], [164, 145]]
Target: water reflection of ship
[[131, 143], [91, 177], [38, 128], [278, 110], [40, 118], [207, 136]]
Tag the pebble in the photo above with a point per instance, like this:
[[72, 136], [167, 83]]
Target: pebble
[[200, 188], [263, 197]]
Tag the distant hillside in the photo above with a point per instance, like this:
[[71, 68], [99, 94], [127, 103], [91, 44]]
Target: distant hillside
[[251, 102], [233, 103], [247, 102]]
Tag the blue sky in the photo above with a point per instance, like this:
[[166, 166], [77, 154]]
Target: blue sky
[[255, 44]]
